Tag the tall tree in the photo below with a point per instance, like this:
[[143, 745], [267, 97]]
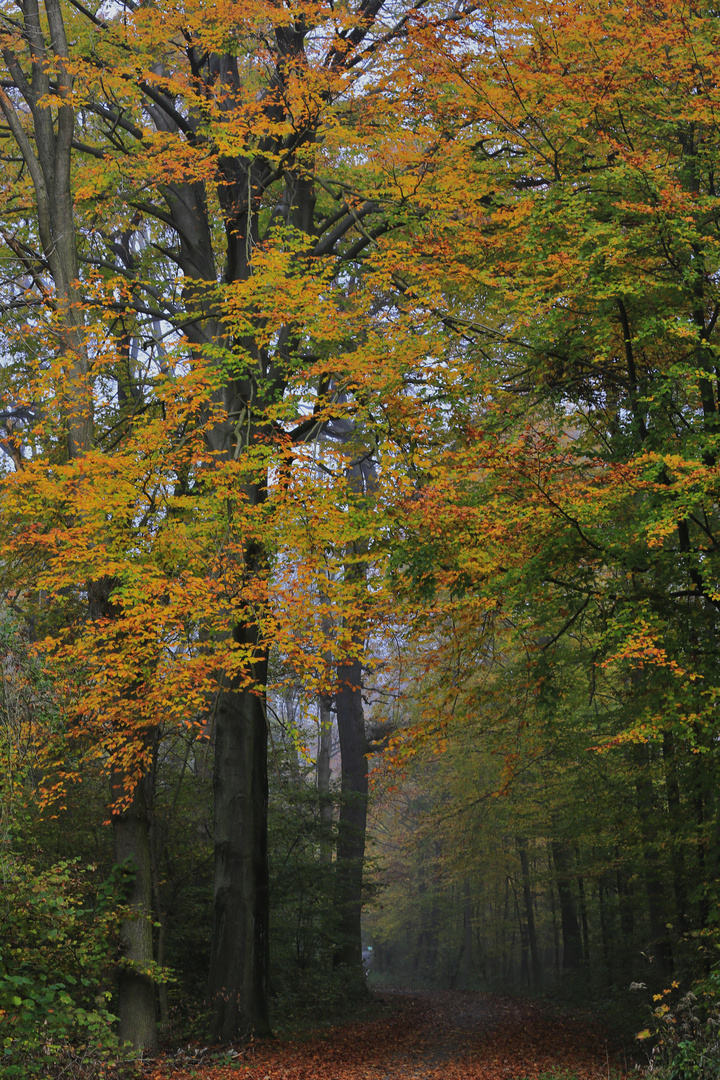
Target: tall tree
[[571, 517], [222, 248]]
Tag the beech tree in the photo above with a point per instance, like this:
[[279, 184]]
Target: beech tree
[[230, 173], [572, 517], [233, 232]]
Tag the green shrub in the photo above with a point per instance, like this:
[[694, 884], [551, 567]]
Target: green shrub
[[686, 1032], [57, 931]]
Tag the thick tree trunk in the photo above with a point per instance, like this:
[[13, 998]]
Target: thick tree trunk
[[353, 815], [130, 816], [238, 978], [136, 988]]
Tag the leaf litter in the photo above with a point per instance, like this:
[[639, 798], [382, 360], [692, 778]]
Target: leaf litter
[[440, 1035]]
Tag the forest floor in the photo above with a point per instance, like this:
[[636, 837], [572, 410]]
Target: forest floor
[[445, 1035]]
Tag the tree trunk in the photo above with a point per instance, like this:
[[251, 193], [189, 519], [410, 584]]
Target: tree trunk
[[654, 885], [572, 944], [136, 987], [353, 815], [676, 840], [466, 966], [47, 156], [553, 912], [584, 921], [522, 930], [323, 779], [130, 816], [604, 937], [238, 978], [160, 920], [529, 913]]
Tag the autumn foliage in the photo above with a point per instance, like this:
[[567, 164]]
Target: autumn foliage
[[367, 354]]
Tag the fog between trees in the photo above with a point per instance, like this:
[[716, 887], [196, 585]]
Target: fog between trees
[[360, 427]]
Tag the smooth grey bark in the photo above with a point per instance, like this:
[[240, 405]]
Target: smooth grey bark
[[238, 977], [47, 157], [130, 817], [136, 987], [354, 748], [627, 912], [524, 964], [604, 936], [159, 913]]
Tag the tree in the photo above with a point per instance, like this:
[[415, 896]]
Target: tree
[[227, 314], [574, 510]]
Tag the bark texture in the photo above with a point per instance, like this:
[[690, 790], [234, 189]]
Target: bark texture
[[237, 984], [47, 157], [136, 986]]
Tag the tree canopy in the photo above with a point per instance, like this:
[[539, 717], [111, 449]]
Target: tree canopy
[[359, 361]]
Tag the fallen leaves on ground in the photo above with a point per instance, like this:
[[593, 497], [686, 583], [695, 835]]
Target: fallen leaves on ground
[[452, 1035]]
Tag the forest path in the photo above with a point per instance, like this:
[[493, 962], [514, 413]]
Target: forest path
[[442, 1035]]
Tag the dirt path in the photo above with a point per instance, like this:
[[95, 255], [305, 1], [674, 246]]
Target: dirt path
[[447, 1035]]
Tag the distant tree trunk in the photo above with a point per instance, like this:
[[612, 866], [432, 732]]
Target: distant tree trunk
[[672, 787], [353, 814], [572, 944], [159, 914], [604, 937], [553, 911], [704, 787], [702, 848], [529, 913], [627, 915], [524, 965], [584, 921], [237, 982], [654, 885], [323, 778], [507, 958], [466, 967]]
